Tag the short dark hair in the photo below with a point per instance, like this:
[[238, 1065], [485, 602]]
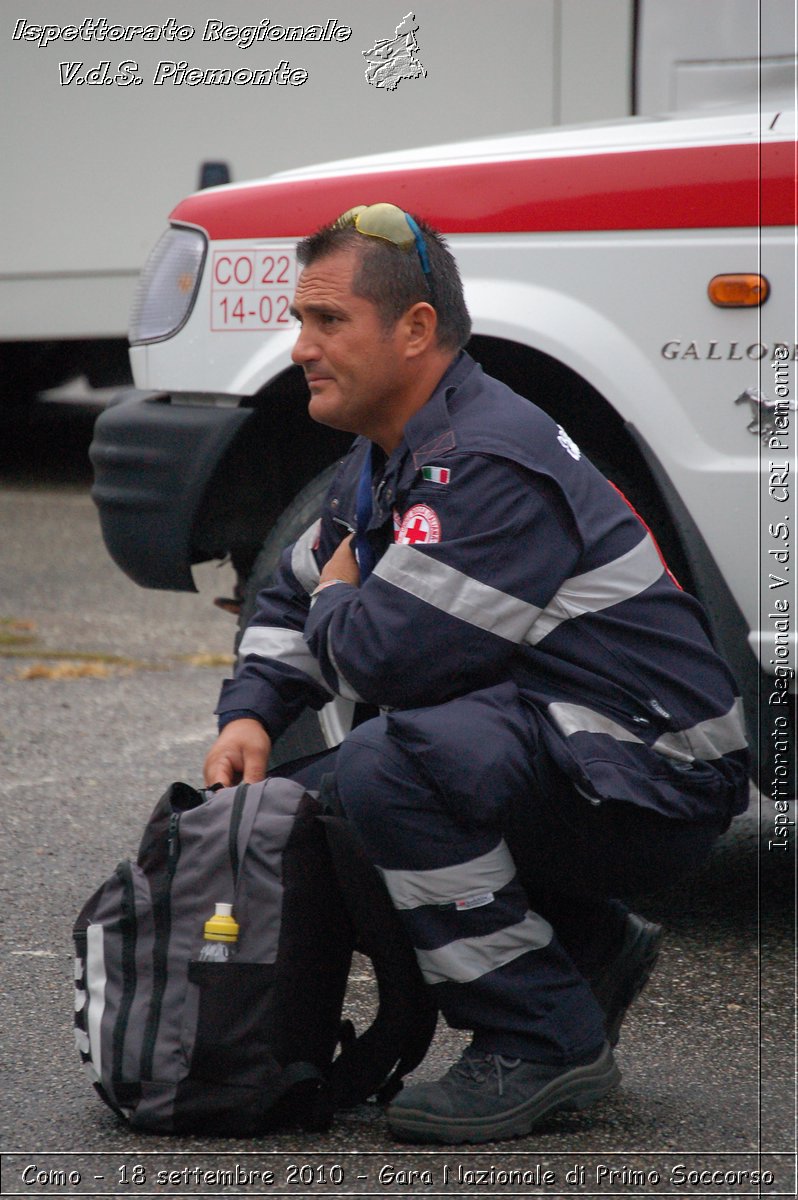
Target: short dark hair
[[393, 279]]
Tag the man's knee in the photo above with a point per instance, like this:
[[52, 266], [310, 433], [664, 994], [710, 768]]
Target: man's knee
[[404, 813], [363, 770]]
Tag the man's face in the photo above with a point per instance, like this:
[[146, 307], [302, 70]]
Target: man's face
[[354, 368]]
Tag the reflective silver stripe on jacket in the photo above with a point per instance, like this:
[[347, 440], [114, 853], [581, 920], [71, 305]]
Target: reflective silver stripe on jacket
[[344, 688], [705, 741], [575, 718], [616, 581], [303, 560], [443, 885], [286, 645], [467, 959], [506, 616], [446, 588], [708, 739]]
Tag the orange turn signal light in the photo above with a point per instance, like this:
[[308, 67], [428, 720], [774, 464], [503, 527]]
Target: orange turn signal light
[[738, 291]]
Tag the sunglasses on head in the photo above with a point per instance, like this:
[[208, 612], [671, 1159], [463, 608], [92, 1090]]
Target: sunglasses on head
[[390, 223]]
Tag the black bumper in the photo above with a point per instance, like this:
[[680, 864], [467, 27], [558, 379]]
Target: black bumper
[[153, 461]]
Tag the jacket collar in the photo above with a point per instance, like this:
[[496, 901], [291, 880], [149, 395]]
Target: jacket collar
[[427, 435], [429, 432]]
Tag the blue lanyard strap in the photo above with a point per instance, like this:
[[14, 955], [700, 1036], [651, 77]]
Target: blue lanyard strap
[[366, 557]]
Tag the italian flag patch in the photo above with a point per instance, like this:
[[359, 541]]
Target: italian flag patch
[[436, 474]]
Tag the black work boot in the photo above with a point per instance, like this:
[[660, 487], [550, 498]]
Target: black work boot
[[487, 1097], [618, 983]]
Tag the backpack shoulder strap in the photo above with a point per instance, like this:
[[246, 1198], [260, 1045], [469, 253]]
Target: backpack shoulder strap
[[398, 1039]]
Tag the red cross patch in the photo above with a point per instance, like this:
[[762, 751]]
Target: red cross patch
[[419, 524]]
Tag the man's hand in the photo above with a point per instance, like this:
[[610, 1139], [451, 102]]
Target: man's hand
[[242, 749], [241, 752], [342, 565]]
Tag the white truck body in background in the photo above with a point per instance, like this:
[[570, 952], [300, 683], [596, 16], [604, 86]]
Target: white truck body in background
[[90, 169], [626, 309], [588, 254]]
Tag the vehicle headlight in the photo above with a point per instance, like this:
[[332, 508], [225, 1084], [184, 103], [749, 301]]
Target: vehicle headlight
[[167, 286]]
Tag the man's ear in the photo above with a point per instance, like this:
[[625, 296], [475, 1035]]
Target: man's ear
[[421, 328]]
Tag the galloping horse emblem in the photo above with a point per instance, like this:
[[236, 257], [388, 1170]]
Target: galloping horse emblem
[[763, 410]]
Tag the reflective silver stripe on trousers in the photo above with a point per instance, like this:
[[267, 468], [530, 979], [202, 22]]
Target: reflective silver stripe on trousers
[[468, 959], [622, 579], [707, 740], [303, 560], [286, 645], [506, 616], [443, 885]]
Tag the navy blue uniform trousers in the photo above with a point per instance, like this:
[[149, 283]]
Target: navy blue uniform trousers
[[508, 881]]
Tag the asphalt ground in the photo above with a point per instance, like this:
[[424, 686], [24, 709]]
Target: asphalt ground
[[106, 696]]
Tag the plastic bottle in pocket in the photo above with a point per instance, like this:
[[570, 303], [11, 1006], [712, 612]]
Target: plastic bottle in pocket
[[221, 935]]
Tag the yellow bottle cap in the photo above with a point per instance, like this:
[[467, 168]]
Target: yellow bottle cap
[[222, 926]]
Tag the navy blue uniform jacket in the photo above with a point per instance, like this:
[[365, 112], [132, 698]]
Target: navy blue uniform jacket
[[504, 555]]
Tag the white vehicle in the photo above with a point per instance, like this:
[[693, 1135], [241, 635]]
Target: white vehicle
[[635, 280], [107, 129]]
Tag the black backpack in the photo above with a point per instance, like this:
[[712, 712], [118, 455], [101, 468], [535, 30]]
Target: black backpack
[[176, 1045]]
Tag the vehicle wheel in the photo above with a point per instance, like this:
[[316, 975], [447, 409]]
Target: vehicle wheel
[[305, 735]]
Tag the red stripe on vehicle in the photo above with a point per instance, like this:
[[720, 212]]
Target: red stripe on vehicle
[[692, 187]]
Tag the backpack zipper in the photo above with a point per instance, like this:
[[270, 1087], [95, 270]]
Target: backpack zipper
[[162, 918], [235, 824], [129, 934]]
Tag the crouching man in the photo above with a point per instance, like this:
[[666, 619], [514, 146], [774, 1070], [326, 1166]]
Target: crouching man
[[553, 728]]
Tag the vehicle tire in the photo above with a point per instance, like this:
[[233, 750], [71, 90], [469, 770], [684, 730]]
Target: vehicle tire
[[305, 735]]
